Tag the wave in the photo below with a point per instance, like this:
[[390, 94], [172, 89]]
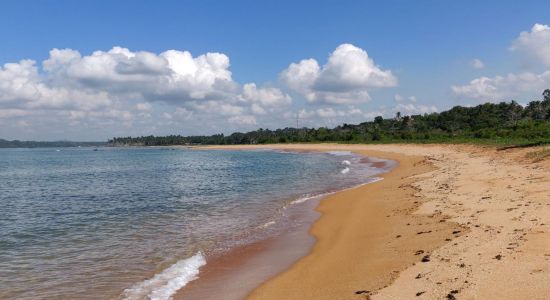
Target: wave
[[346, 162], [320, 195], [344, 171], [163, 285], [267, 224], [309, 197]]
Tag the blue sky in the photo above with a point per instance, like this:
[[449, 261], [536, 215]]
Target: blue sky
[[428, 46]]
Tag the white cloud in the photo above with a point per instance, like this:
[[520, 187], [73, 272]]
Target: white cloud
[[183, 112], [408, 106], [216, 107], [265, 96], [229, 109], [145, 107], [346, 78], [398, 98], [171, 76], [334, 115], [330, 116], [262, 100], [301, 77], [14, 112], [503, 88], [329, 112], [105, 86], [18, 81], [124, 92], [22, 86], [243, 120], [120, 85], [258, 109], [413, 109], [535, 43], [477, 64]]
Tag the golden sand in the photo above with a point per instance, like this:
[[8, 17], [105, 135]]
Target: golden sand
[[450, 221]]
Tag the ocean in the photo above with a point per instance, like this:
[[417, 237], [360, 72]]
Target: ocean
[[139, 223]]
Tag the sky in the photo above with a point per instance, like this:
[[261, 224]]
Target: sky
[[76, 70]]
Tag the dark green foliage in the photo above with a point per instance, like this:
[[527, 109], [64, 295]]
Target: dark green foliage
[[501, 123]]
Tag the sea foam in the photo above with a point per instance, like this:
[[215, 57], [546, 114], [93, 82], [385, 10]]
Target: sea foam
[[267, 224], [345, 170], [309, 197], [163, 285]]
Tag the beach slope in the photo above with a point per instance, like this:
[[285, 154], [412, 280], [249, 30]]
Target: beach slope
[[449, 221]]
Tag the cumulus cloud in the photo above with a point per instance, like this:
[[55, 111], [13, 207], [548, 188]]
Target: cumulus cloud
[[243, 120], [22, 86], [172, 75], [128, 86], [535, 43], [69, 80], [333, 116], [122, 92], [346, 78], [477, 64], [503, 88], [262, 100]]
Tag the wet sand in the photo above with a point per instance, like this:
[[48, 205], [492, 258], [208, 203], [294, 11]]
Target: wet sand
[[235, 274], [448, 222]]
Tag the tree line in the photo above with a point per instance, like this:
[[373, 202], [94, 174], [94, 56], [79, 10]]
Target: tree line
[[502, 123]]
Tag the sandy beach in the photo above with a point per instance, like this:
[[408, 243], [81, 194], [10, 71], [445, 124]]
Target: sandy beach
[[448, 222]]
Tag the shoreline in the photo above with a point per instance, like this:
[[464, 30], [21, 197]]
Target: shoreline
[[451, 221], [371, 221], [235, 274], [280, 285]]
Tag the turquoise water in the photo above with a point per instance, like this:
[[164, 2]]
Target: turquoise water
[[138, 223]]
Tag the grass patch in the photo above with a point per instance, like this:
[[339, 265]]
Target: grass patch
[[539, 154]]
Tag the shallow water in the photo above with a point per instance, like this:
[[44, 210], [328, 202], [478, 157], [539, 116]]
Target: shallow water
[[139, 222]]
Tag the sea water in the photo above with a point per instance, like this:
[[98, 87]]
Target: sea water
[[139, 223]]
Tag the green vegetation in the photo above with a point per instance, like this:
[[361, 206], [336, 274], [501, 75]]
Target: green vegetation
[[504, 123], [58, 144], [539, 154]]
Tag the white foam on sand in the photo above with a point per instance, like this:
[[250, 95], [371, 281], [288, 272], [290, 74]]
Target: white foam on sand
[[317, 196], [267, 224], [164, 285], [309, 197]]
